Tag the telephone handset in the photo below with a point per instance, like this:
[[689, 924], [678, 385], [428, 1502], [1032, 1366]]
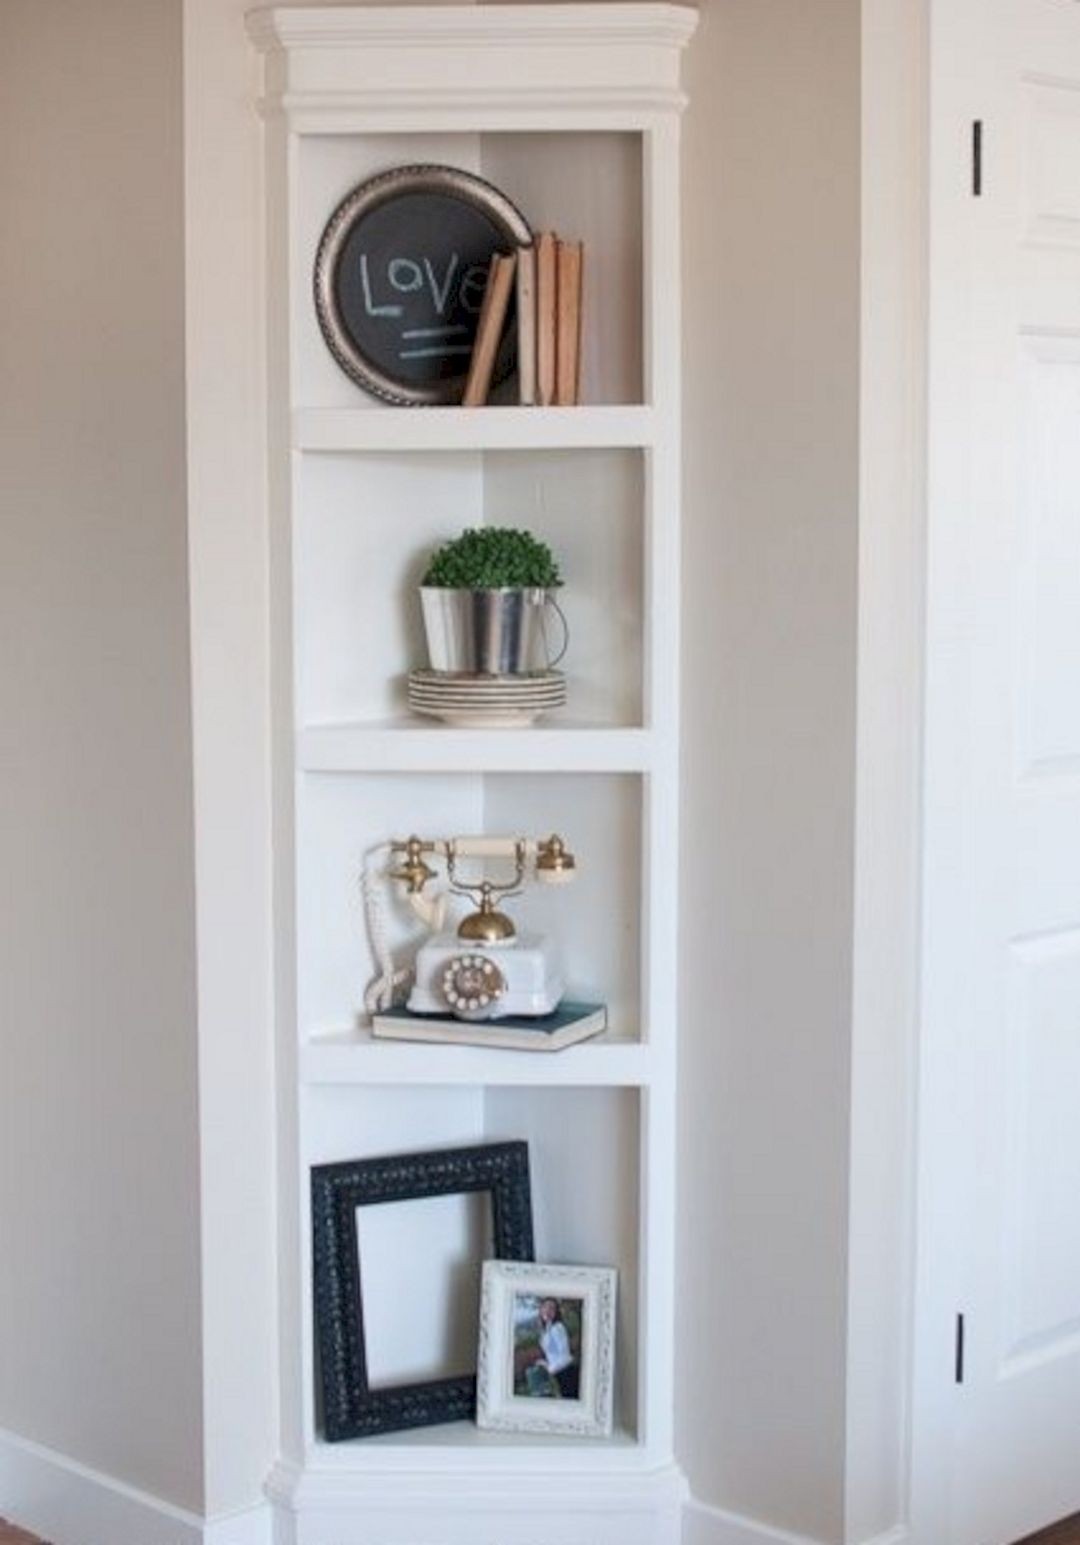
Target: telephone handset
[[484, 969]]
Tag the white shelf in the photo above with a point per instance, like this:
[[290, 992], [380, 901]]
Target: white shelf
[[463, 1445], [411, 745], [471, 429], [356, 1057], [572, 110]]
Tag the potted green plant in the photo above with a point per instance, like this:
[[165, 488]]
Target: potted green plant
[[484, 598]]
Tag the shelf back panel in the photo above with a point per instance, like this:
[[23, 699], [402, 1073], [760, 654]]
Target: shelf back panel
[[596, 921]]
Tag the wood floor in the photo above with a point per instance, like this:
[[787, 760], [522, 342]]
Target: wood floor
[[1065, 1533]]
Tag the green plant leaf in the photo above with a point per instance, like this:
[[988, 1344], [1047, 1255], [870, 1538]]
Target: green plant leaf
[[493, 558]]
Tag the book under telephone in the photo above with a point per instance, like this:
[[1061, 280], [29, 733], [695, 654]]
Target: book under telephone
[[569, 1024]]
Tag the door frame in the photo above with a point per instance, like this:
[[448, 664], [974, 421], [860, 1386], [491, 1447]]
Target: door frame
[[921, 91], [955, 98]]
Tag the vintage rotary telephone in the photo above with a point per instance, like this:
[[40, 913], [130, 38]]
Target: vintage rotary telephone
[[484, 970]]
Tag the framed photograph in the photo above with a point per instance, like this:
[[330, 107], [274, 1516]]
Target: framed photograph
[[547, 1349], [356, 1402], [400, 276]]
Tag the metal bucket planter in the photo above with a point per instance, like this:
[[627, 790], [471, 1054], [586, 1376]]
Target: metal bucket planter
[[491, 632]]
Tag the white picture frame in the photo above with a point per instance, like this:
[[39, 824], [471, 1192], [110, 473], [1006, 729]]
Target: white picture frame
[[543, 1370]]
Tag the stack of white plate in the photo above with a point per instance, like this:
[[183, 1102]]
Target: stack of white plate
[[485, 702]]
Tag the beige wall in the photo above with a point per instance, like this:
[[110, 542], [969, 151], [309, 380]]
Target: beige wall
[[99, 1234], [772, 302]]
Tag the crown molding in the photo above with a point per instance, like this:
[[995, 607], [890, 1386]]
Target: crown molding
[[423, 26], [337, 68]]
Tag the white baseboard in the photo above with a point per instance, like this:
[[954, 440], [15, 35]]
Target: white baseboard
[[68, 1503], [519, 1507], [705, 1525], [250, 1526]]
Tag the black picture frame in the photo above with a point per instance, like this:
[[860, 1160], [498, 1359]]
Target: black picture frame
[[399, 278], [350, 1408]]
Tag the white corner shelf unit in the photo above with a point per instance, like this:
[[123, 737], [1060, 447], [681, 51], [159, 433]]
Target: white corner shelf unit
[[573, 110]]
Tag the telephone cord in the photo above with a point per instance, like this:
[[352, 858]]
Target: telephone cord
[[379, 994]]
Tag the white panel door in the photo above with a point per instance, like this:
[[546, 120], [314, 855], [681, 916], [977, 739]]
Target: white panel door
[[1002, 920]]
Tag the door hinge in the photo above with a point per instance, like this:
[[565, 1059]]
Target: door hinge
[[977, 158], [958, 1358]]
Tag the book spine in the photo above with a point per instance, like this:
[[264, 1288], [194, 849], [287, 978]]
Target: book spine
[[526, 325], [545, 319], [568, 307], [489, 331]]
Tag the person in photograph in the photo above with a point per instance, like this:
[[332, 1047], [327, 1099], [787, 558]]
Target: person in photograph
[[555, 1369]]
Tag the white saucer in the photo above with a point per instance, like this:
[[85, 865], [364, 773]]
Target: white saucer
[[485, 702]]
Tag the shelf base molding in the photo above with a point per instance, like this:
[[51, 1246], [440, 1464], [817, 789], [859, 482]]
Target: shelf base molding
[[586, 1507]]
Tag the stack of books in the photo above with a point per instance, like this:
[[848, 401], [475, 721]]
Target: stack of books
[[547, 278]]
